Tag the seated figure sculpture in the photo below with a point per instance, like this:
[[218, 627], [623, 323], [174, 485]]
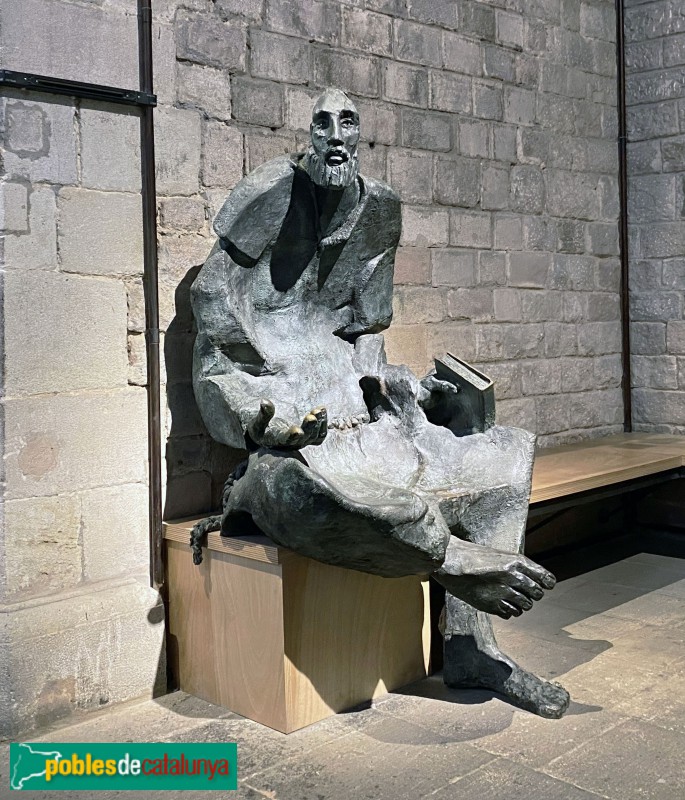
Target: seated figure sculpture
[[345, 463]]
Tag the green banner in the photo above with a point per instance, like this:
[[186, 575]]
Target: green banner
[[101, 766]]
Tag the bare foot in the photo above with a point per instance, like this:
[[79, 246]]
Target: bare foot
[[467, 667]]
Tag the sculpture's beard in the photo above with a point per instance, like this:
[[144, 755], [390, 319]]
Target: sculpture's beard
[[329, 176]]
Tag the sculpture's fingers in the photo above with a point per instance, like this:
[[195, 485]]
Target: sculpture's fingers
[[294, 436], [322, 416], [537, 573], [310, 427], [527, 586], [506, 610], [264, 417], [519, 600]]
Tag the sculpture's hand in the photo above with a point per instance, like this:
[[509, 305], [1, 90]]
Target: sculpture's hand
[[498, 583], [434, 391], [265, 430]]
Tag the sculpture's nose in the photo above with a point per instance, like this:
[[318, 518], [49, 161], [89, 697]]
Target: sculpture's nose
[[335, 132]]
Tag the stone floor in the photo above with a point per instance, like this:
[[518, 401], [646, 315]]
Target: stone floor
[[613, 636]]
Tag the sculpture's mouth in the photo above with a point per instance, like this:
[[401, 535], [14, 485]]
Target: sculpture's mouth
[[334, 158]]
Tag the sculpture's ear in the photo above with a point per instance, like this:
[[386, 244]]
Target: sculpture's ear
[[256, 208]]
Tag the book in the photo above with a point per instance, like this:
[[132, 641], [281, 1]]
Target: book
[[472, 410]]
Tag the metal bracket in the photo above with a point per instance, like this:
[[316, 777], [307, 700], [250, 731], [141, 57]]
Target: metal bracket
[[88, 91]]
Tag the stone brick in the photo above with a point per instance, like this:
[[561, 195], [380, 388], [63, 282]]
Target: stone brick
[[182, 213], [42, 553], [506, 377], [541, 377], [477, 19], [418, 304], [406, 344], [608, 274], [449, 92], [577, 375], [136, 304], [499, 63], [313, 20], [571, 236], [205, 88], [529, 269], [405, 84], [452, 337], [413, 265], [36, 249], [422, 227], [102, 441], [533, 145], [418, 44], [675, 337], [673, 154], [474, 138], [602, 238], [560, 340], [663, 240], [651, 198], [66, 40], [474, 304], [100, 233], [256, 102], [461, 54], [644, 55], [571, 194], [538, 306], [575, 306], [206, 39], [487, 101], [251, 9], [435, 12], [504, 142], [222, 155], [492, 268], [598, 21], [495, 187], [298, 108], [262, 147], [508, 234], [608, 197], [470, 228], [673, 275], [648, 338], [137, 360], [54, 354], [497, 342], [177, 151], [453, 268], [373, 161], [379, 122], [164, 60], [14, 208], [507, 305], [367, 31], [110, 149], [110, 515], [662, 120], [350, 72], [556, 113], [426, 131], [280, 58], [457, 181], [599, 338], [411, 175], [519, 106], [657, 407], [603, 307], [654, 372], [518, 412], [539, 233], [509, 29], [527, 189], [674, 50], [608, 371]]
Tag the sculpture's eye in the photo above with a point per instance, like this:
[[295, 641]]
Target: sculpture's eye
[[347, 123]]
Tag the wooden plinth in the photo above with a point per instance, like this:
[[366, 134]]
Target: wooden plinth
[[284, 640]]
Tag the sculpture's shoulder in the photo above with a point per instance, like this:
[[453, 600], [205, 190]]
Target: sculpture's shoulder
[[257, 206], [384, 209]]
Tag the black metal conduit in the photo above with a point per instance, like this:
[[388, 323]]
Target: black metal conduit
[[150, 284], [626, 383], [145, 100]]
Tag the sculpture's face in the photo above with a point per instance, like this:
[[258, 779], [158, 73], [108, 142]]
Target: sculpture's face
[[333, 161]]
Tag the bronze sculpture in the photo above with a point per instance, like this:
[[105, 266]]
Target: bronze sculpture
[[351, 460]]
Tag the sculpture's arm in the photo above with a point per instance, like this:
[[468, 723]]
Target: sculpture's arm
[[372, 304]]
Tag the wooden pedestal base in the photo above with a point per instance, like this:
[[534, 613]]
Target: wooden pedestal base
[[284, 640]]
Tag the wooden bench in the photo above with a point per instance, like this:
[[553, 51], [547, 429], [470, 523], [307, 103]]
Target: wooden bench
[[287, 641]]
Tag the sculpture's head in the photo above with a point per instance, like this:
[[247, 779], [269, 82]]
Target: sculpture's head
[[332, 160]]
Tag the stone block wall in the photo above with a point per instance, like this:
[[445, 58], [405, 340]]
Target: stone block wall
[[496, 123], [79, 626], [655, 61]]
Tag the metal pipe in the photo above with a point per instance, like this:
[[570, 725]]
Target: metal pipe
[[626, 383], [150, 285]]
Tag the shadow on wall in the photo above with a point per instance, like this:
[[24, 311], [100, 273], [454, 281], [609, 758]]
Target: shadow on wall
[[197, 466]]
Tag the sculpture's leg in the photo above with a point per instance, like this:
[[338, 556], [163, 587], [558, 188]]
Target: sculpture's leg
[[472, 657]]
